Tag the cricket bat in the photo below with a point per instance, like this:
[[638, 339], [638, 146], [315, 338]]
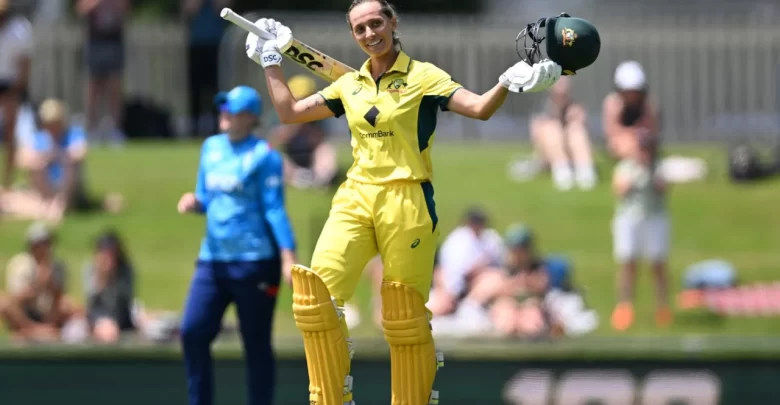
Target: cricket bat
[[317, 62]]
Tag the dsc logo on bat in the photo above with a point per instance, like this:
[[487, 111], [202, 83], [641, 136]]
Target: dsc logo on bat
[[304, 58]]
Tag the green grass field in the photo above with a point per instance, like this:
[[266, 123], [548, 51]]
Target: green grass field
[[712, 219]]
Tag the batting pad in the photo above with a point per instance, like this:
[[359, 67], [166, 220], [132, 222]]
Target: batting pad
[[413, 357], [325, 339]]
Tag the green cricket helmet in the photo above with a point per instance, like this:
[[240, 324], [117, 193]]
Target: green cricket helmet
[[573, 43]]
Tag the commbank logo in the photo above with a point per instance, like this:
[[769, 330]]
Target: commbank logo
[[377, 134], [372, 115]]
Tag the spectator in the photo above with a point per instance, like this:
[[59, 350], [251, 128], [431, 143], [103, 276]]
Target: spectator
[[310, 160], [36, 307], [109, 284], [560, 136], [628, 110], [206, 29], [470, 252], [640, 228], [519, 307], [109, 279], [105, 57], [54, 159], [16, 44]]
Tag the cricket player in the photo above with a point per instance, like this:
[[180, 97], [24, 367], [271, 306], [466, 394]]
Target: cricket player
[[248, 239], [386, 205]]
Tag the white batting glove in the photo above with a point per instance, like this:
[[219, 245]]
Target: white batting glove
[[268, 52], [522, 78]]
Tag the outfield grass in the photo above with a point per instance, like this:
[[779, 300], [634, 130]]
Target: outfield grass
[[712, 219]]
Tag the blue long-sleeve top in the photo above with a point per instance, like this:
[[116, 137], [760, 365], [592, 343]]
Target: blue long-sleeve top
[[240, 189]]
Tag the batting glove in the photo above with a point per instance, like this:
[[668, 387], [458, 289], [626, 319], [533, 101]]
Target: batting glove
[[522, 78], [268, 52]]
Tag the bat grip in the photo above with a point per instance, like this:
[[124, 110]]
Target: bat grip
[[244, 24]]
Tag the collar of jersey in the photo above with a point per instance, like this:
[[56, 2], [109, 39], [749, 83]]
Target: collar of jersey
[[401, 65]]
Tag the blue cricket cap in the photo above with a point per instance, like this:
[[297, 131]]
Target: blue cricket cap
[[239, 99]]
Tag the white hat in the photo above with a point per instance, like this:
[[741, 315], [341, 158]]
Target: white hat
[[630, 75]]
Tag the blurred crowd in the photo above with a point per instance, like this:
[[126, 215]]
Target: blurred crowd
[[486, 282], [44, 172], [36, 307]]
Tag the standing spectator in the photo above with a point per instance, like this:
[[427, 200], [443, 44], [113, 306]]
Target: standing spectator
[[36, 307], [560, 136], [206, 29], [16, 43], [628, 110], [640, 228], [105, 56], [470, 251]]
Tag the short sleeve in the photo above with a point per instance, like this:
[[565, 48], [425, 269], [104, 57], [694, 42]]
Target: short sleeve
[[20, 273], [22, 34], [26, 41], [40, 142], [76, 138], [439, 84], [332, 97]]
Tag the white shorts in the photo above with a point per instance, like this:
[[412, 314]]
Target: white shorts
[[647, 238]]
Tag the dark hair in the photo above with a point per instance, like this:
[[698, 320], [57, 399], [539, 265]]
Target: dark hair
[[388, 10], [110, 239]]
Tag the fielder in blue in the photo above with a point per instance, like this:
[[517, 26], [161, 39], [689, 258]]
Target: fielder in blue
[[248, 241]]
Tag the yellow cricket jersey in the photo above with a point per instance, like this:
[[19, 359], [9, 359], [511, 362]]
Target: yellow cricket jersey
[[393, 119]]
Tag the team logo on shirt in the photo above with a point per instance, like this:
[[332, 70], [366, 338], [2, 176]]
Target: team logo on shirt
[[357, 89], [397, 86]]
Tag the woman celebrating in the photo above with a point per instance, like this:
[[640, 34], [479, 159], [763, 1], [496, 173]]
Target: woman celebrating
[[386, 205]]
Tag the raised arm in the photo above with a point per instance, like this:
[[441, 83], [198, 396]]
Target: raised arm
[[477, 106], [290, 110], [520, 78]]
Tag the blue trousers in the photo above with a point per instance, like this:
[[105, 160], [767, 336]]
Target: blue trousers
[[253, 287]]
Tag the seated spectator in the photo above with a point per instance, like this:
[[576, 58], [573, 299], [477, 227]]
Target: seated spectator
[[560, 137], [470, 255], [109, 284], [310, 160], [35, 307], [109, 290], [628, 110], [53, 159], [640, 229], [518, 309]]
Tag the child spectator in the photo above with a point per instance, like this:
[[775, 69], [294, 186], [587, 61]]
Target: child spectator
[[640, 228]]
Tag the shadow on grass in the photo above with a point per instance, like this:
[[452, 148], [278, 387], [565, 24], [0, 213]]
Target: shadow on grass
[[700, 319]]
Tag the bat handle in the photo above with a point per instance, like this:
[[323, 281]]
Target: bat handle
[[244, 24]]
